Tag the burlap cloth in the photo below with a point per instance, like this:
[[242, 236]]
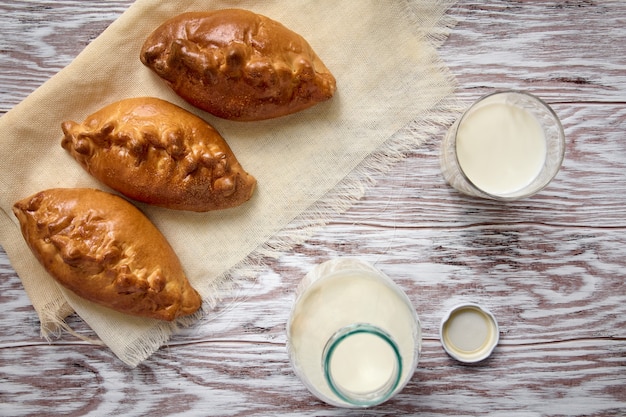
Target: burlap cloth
[[309, 165]]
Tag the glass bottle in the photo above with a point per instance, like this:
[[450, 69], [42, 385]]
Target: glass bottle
[[353, 336]]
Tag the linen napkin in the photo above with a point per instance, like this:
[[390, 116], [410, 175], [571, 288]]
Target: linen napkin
[[309, 165]]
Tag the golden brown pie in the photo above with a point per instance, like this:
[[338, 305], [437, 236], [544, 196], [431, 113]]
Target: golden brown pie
[[237, 65], [158, 153], [105, 250]]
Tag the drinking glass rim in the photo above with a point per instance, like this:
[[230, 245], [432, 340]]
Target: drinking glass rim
[[561, 135]]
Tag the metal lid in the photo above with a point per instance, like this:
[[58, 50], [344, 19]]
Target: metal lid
[[469, 333]]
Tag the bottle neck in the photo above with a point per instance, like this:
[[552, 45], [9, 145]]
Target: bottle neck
[[362, 364]]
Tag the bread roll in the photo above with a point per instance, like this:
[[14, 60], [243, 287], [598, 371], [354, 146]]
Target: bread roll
[[105, 250], [158, 153], [237, 64]]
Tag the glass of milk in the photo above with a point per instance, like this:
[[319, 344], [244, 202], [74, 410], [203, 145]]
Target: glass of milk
[[353, 336], [507, 146]]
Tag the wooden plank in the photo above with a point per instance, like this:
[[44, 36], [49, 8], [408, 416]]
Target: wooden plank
[[253, 379], [40, 38], [553, 49]]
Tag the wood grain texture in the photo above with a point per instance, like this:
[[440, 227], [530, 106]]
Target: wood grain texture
[[551, 267]]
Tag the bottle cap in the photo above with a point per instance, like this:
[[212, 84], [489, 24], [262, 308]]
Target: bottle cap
[[469, 333]]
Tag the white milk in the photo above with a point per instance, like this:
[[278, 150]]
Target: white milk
[[501, 148], [362, 362]]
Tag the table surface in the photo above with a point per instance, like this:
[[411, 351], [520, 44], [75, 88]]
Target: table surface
[[551, 267]]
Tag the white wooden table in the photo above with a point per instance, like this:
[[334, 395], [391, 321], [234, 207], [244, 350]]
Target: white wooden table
[[551, 268]]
